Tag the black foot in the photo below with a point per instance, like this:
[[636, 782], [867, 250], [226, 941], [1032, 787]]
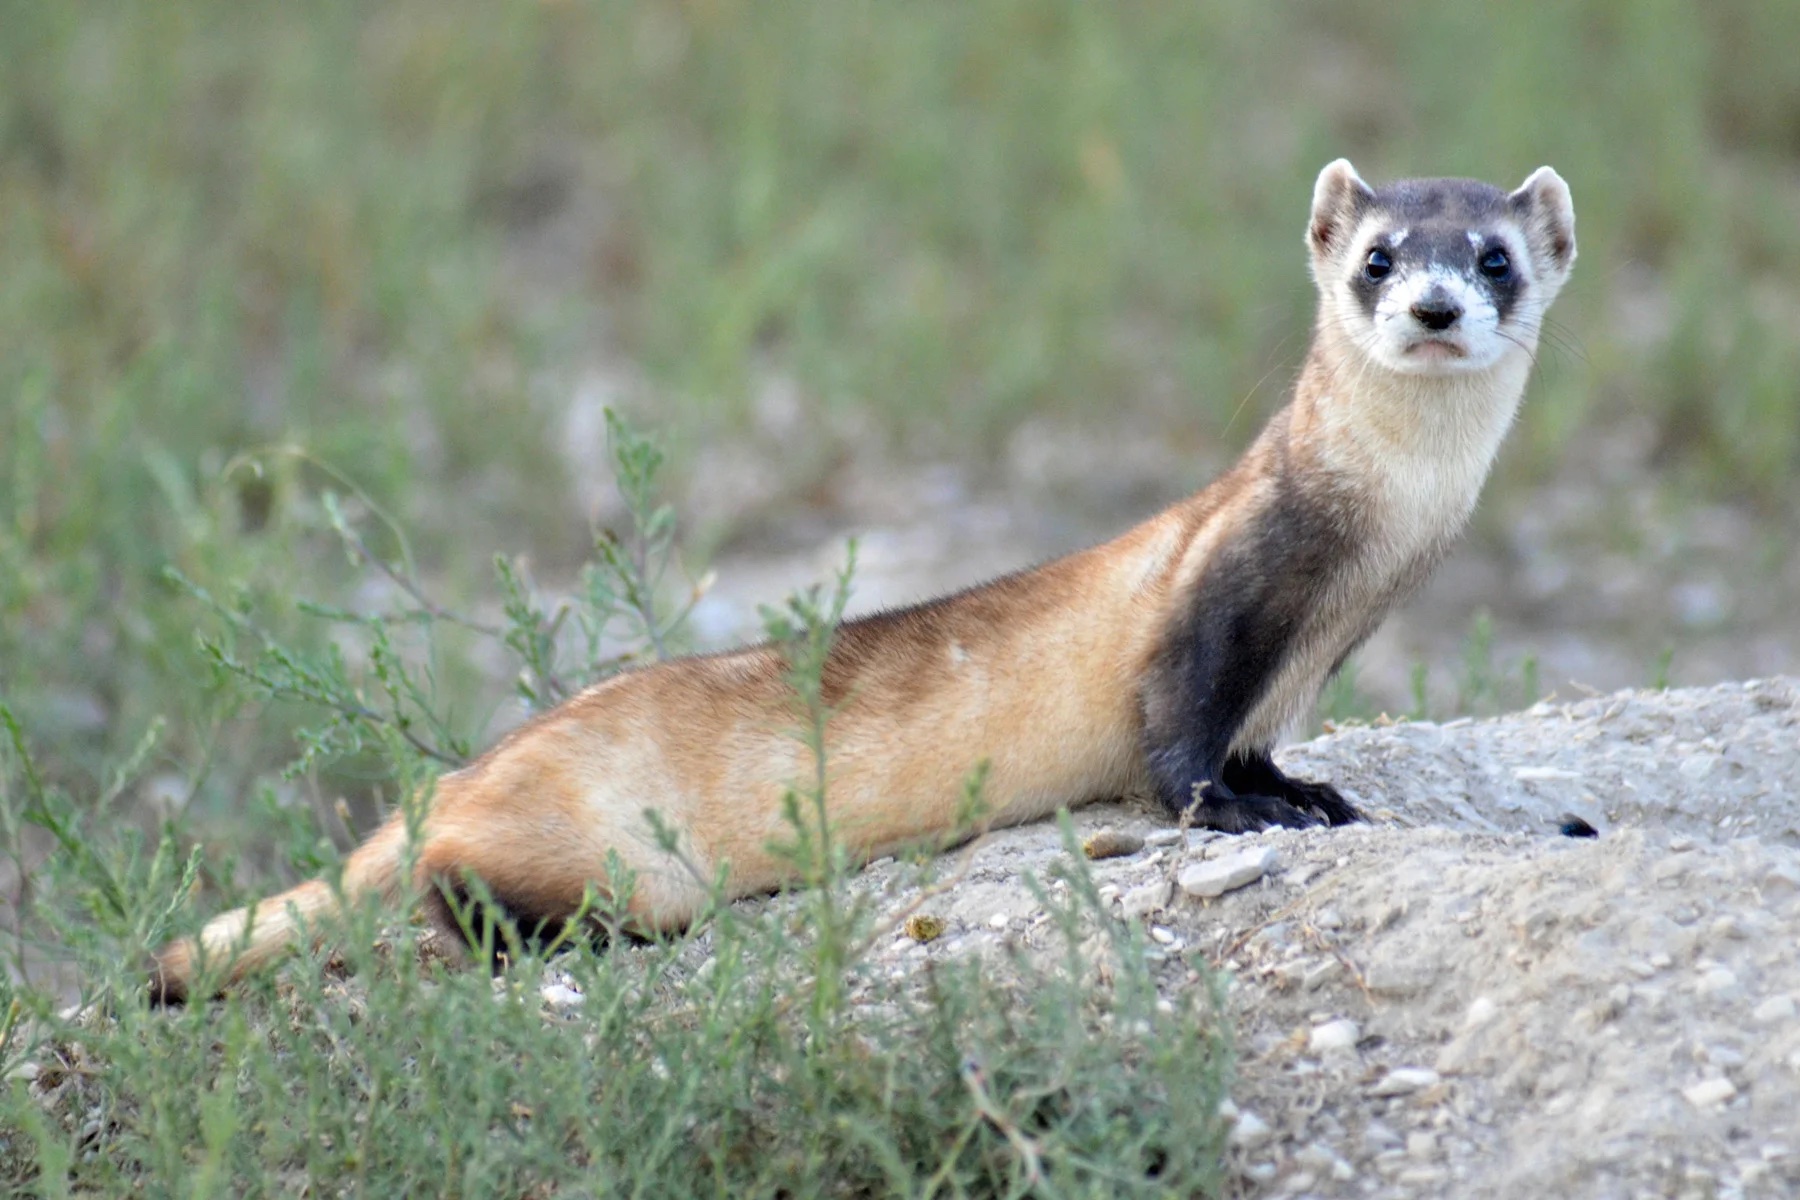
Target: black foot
[[1325, 800], [1262, 777], [1247, 814]]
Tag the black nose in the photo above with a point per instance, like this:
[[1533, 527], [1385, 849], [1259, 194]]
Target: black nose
[[1437, 313]]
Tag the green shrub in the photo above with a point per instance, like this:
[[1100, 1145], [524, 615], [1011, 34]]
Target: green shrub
[[768, 1054]]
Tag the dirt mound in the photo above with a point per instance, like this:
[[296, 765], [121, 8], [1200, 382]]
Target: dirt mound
[[1456, 999]]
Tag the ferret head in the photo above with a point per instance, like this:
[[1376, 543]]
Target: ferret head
[[1438, 276]]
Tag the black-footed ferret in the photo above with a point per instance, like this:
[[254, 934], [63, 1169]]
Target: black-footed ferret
[[1171, 657]]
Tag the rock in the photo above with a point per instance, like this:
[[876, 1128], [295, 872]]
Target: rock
[[1321, 973], [1696, 767], [923, 927], [1710, 1092], [1403, 1081], [1401, 979], [1320, 1159], [1340, 1034], [1781, 879], [1250, 1131], [1481, 1011], [1716, 981], [557, 995], [1111, 843], [1773, 1011], [1216, 876], [1145, 899]]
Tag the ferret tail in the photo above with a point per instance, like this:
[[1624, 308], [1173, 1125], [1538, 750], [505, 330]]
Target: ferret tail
[[239, 942]]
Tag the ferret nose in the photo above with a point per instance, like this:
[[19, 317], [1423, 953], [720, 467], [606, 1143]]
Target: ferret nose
[[1436, 311]]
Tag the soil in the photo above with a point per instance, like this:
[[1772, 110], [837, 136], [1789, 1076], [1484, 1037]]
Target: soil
[[1455, 999]]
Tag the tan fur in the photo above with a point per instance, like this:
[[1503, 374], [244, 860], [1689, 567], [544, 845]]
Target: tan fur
[[1037, 674]]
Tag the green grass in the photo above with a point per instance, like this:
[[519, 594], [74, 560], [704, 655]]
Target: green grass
[[773, 1054]]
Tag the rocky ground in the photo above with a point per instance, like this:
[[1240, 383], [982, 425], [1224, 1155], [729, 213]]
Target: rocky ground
[[1457, 1000]]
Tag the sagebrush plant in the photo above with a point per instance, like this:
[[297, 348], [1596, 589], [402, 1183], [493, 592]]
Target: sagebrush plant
[[767, 1053]]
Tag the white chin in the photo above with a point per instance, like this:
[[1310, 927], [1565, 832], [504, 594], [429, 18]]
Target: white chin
[[1432, 358]]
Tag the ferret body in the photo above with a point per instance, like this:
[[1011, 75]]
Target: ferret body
[[1171, 658]]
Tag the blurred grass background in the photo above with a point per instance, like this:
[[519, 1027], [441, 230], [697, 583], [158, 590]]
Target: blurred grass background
[[401, 236]]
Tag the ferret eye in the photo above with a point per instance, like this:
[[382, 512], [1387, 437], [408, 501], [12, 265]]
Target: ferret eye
[[1378, 265], [1495, 264]]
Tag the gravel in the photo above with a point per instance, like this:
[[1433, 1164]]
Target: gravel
[[1456, 999]]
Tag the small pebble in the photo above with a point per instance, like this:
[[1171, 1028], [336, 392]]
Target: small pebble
[[1318, 1158], [1716, 981], [1228, 872], [1341, 1034], [1403, 1081], [1481, 1011], [1423, 1176], [1144, 899], [923, 927], [1781, 879], [1773, 1011], [1321, 973], [1111, 843], [1250, 1131], [557, 995], [1710, 1092], [999, 920]]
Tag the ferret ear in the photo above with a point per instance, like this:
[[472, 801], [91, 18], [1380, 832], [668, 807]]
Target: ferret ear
[[1339, 198], [1543, 206]]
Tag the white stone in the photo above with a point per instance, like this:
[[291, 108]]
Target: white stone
[[1697, 766], [557, 995], [1710, 1092], [1481, 1011], [1144, 899], [1773, 1011], [1250, 1131], [1320, 1159], [1216, 876], [1321, 973], [1403, 1081], [1716, 981], [1340, 1034]]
